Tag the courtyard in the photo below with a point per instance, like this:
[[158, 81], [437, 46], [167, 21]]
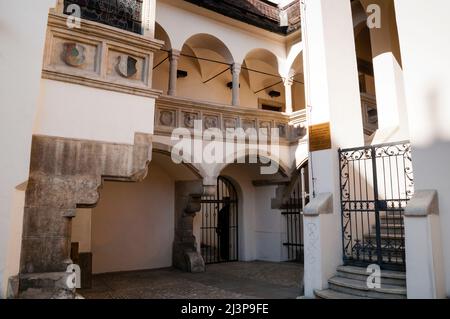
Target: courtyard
[[236, 280]]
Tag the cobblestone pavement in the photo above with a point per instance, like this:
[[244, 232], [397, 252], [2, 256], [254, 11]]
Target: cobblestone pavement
[[237, 280]]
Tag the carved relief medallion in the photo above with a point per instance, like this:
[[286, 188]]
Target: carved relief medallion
[[166, 118], [73, 54], [210, 122], [189, 119], [126, 66]]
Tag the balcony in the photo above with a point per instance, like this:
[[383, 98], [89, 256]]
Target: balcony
[[173, 112]]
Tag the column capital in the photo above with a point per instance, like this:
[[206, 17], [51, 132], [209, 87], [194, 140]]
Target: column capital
[[174, 54], [236, 68]]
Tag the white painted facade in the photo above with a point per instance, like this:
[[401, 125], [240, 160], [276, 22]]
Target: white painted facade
[[132, 226]]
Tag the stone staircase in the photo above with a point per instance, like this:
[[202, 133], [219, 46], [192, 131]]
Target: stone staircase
[[350, 282]]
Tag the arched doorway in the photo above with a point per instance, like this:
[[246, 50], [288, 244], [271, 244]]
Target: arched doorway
[[219, 224], [292, 209]]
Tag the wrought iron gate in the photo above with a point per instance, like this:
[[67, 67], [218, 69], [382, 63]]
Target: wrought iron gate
[[219, 224], [376, 184], [293, 211]]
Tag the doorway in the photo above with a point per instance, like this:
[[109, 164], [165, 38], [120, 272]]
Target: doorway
[[219, 224]]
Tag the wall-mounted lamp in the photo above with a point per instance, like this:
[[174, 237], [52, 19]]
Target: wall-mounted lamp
[[274, 94], [181, 74]]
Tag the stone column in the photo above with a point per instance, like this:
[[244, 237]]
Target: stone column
[[235, 73], [390, 92], [187, 203], [332, 95], [428, 100], [288, 94], [424, 255], [148, 18], [174, 56], [319, 231]]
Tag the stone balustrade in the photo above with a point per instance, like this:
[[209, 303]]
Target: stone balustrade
[[173, 112]]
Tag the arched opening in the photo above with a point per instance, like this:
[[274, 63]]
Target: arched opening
[[161, 64], [261, 84], [380, 68], [218, 219], [132, 226], [204, 69], [298, 84]]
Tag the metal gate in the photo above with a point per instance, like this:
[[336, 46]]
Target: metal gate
[[376, 185], [219, 224], [293, 212]]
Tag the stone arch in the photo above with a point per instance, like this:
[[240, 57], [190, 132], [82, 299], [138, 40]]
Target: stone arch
[[161, 34]]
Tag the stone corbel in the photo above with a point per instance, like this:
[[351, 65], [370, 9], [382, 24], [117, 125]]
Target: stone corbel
[[187, 203], [65, 174]]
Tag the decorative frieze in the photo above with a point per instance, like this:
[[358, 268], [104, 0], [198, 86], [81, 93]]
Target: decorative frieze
[[174, 112]]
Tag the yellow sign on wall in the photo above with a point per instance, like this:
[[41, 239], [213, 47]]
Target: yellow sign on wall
[[319, 137]]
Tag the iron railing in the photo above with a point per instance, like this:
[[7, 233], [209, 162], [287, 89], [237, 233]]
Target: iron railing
[[293, 212], [122, 14], [376, 185]]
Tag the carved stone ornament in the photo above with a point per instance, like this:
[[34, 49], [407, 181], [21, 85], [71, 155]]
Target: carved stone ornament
[[73, 54], [166, 118], [210, 122], [230, 123], [126, 66], [265, 126], [189, 119], [281, 130]]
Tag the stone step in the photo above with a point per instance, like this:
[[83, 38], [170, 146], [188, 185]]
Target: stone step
[[395, 239], [332, 294], [391, 219], [359, 288], [360, 273], [46, 281]]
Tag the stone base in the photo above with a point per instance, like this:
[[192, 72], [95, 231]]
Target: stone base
[[45, 286]]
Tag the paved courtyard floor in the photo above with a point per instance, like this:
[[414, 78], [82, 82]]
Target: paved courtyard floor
[[237, 280]]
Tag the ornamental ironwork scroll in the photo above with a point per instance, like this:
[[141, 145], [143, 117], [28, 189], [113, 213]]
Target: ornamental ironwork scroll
[[376, 185], [122, 14]]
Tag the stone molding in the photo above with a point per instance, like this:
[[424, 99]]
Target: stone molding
[[321, 204], [173, 112], [422, 204], [103, 46]]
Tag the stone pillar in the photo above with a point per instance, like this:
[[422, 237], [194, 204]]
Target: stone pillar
[[332, 95], [66, 173], [148, 18], [174, 56], [390, 93], [187, 203], [428, 100], [424, 257], [319, 231], [235, 73], [288, 94]]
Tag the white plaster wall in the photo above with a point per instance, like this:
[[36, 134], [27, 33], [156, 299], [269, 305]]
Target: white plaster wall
[[133, 224], [427, 78], [269, 232], [22, 34], [81, 229], [75, 111]]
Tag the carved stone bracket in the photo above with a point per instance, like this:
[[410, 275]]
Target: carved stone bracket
[[187, 203], [66, 174]]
